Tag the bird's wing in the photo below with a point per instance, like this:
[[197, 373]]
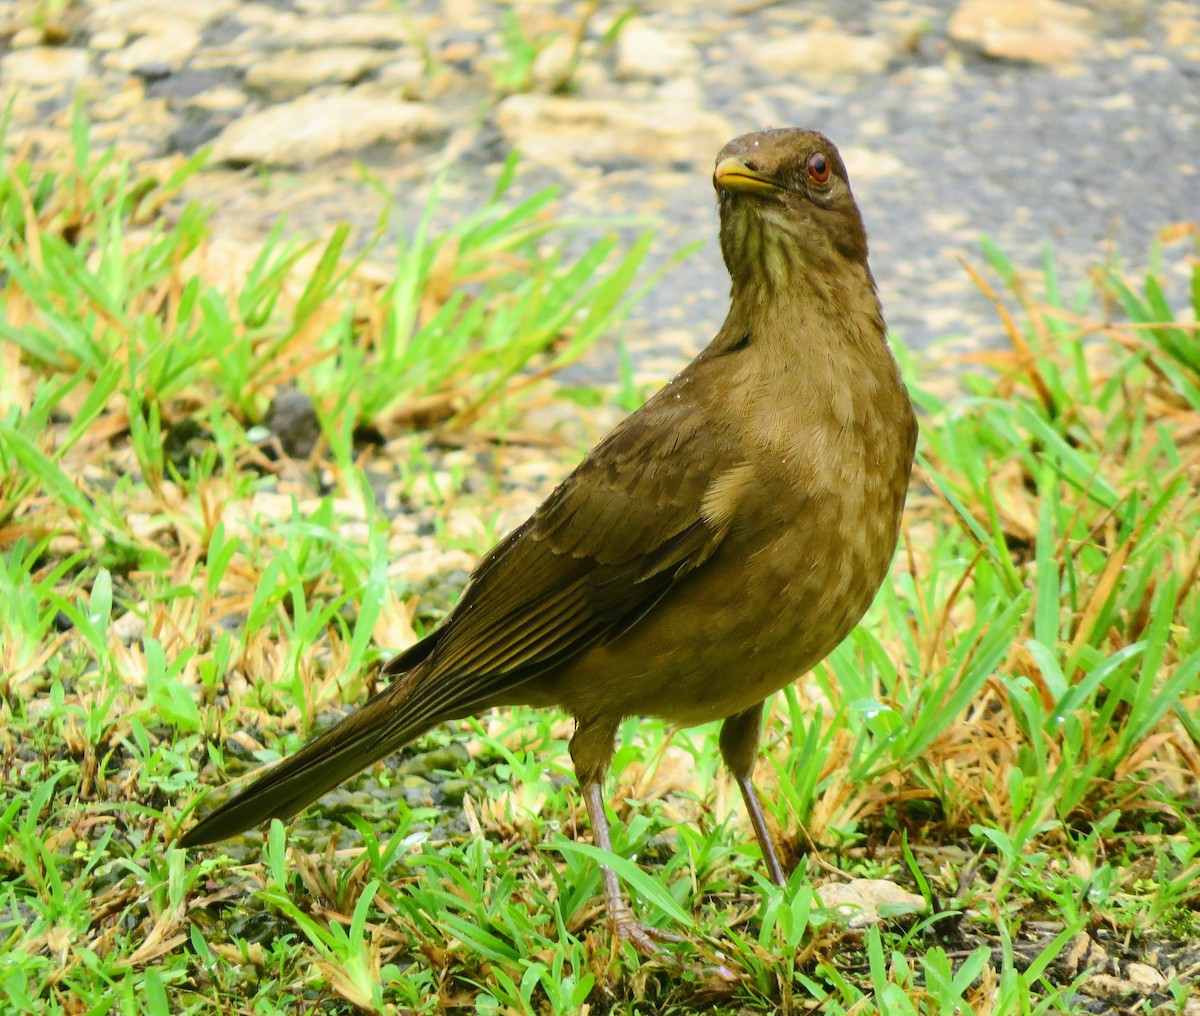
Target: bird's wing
[[602, 550], [652, 502]]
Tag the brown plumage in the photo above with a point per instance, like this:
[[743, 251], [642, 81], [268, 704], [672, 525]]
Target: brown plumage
[[719, 543]]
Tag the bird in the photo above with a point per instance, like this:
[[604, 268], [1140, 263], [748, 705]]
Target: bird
[[718, 544]]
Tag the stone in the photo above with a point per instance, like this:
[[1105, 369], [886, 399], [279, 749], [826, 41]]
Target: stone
[[1080, 953], [1148, 980], [291, 74], [218, 100], [121, 104], [821, 54], [26, 37], [869, 163], [552, 67], [651, 54], [1045, 32], [406, 73], [161, 53], [561, 131], [861, 900], [685, 91], [151, 17], [1105, 986], [107, 40], [1181, 25], [292, 419], [43, 65], [384, 31], [129, 627], [301, 132]]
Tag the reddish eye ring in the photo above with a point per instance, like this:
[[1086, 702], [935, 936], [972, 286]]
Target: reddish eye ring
[[818, 168]]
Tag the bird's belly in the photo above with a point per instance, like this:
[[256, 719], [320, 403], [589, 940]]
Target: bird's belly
[[763, 611]]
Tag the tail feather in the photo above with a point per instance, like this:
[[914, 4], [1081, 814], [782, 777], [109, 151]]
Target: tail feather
[[372, 732]]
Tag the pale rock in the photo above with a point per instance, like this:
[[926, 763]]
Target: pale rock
[[553, 64], [1104, 986], [1147, 978], [225, 262], [288, 75], [265, 506], [1044, 32], [22, 105], [821, 54], [462, 52], [428, 561], [43, 65], [218, 100], [404, 73], [121, 104], [869, 163], [1150, 63], [464, 526], [861, 899], [467, 14], [590, 78], [1118, 101], [278, 24], [310, 128], [651, 54], [950, 223], [1081, 952], [226, 59], [686, 91], [115, 135], [150, 17], [669, 771], [560, 131], [380, 30], [1181, 23], [109, 136], [874, 127], [12, 18], [27, 37], [129, 628], [169, 48], [531, 7], [782, 93], [109, 39]]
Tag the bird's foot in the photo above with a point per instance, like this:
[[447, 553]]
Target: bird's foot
[[646, 940], [649, 944]]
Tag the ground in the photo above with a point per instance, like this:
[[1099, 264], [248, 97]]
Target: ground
[[237, 471]]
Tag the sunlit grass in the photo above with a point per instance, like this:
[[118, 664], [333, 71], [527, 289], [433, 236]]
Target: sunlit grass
[[1012, 735]]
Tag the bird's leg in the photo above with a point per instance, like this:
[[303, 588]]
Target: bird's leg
[[619, 914], [591, 752], [739, 748], [765, 843]]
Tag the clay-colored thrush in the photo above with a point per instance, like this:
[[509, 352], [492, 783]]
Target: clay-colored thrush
[[719, 543]]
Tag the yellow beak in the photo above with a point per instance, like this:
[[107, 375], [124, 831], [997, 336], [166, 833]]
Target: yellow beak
[[733, 175]]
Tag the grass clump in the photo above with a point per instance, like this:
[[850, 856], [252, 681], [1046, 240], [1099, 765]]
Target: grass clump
[[1011, 737], [157, 555]]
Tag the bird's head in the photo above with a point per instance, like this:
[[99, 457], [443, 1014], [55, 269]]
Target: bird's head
[[786, 210]]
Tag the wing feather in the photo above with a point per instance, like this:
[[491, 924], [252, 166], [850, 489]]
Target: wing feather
[[645, 508], [604, 549]]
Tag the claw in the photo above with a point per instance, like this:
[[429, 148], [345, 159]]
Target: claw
[[645, 939]]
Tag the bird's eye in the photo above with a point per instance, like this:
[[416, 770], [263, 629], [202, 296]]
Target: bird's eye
[[818, 168]]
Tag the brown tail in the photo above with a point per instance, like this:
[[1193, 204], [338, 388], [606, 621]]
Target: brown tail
[[387, 722]]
